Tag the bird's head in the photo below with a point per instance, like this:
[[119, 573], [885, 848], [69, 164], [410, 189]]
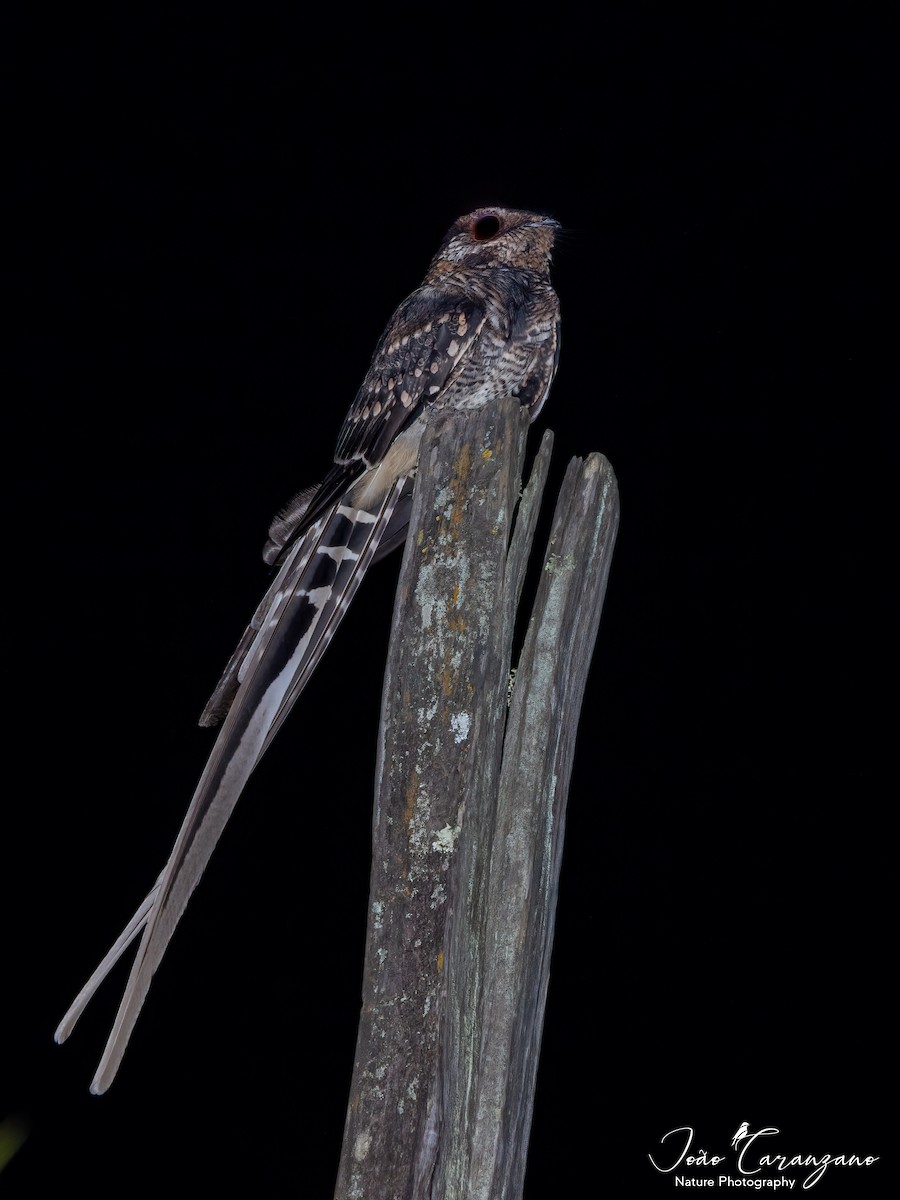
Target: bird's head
[[498, 237]]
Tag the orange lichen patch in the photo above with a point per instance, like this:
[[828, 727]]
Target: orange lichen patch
[[457, 624], [440, 961], [458, 487], [487, 454], [456, 519], [447, 681], [411, 792], [455, 597]]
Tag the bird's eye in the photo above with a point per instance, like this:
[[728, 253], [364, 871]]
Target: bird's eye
[[485, 228]]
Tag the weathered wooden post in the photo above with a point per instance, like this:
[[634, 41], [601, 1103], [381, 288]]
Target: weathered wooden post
[[470, 814]]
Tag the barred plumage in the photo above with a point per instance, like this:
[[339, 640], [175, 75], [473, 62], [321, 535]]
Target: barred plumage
[[483, 325]]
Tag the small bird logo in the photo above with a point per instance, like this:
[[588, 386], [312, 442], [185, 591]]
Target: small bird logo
[[742, 1133]]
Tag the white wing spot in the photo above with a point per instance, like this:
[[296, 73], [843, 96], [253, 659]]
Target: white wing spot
[[318, 596], [339, 553], [357, 514], [452, 348]]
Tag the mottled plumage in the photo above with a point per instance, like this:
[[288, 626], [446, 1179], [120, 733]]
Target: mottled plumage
[[483, 325]]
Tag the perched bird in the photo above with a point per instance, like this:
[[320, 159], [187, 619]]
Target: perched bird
[[742, 1133], [483, 325]]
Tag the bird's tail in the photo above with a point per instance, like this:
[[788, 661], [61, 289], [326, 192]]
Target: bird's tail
[[276, 657]]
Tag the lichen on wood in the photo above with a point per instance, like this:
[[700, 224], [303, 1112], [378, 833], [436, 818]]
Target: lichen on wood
[[466, 833]]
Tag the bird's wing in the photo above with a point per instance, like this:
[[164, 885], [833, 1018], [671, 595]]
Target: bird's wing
[[420, 355], [314, 587]]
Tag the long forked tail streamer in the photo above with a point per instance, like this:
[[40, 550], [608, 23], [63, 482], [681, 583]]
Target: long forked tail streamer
[[317, 583]]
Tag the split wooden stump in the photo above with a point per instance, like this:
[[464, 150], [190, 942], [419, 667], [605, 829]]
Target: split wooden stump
[[473, 772]]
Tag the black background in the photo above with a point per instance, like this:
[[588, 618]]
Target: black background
[[211, 221]]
